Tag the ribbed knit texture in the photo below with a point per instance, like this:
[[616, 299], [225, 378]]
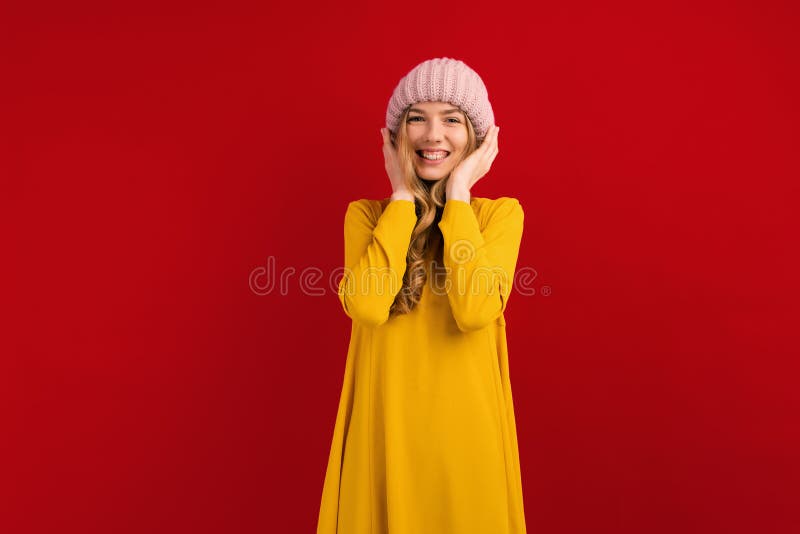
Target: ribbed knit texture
[[443, 80]]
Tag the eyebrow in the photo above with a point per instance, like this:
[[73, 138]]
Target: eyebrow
[[444, 112]]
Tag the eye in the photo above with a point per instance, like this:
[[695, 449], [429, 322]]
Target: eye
[[455, 120]]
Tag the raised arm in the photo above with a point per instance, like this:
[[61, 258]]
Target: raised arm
[[480, 265], [375, 258]]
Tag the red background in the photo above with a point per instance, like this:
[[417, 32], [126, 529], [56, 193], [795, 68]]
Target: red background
[[156, 155]]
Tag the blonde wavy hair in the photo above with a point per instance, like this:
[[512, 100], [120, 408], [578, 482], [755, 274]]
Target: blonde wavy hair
[[426, 243]]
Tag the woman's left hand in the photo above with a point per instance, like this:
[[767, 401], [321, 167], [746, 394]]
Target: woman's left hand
[[477, 164]]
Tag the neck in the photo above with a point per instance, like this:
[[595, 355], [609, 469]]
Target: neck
[[428, 183]]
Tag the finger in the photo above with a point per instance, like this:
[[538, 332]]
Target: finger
[[387, 136], [494, 148], [491, 145], [486, 140], [493, 153], [489, 139]]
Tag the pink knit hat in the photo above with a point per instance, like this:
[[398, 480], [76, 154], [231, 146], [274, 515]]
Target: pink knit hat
[[443, 80]]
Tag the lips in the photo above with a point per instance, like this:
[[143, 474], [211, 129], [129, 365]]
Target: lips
[[437, 152], [426, 161]]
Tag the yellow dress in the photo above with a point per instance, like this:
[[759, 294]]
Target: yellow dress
[[425, 438]]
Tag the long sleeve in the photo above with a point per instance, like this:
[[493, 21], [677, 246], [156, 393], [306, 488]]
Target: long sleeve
[[480, 265], [374, 258]]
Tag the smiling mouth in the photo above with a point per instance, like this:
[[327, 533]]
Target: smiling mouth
[[435, 159]]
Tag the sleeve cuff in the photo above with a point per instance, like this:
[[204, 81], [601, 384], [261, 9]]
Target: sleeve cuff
[[459, 222], [402, 208]]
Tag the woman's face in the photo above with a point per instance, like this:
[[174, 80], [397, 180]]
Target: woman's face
[[434, 127]]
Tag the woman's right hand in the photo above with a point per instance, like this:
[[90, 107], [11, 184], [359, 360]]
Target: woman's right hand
[[392, 165]]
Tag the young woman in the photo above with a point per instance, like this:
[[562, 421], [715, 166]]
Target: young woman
[[425, 437]]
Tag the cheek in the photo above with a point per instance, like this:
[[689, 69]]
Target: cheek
[[461, 142], [457, 154]]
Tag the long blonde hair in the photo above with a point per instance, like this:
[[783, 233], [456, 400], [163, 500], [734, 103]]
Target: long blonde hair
[[426, 239]]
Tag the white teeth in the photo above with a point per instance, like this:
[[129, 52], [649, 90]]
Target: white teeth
[[434, 155]]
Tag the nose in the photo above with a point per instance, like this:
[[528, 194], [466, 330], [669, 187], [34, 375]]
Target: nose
[[434, 132]]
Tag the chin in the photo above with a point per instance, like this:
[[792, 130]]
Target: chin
[[431, 177]]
